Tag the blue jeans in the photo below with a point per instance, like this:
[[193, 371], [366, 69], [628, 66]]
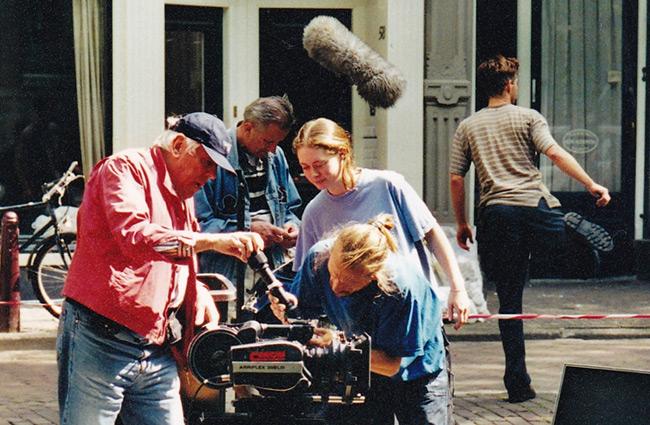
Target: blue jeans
[[506, 236], [106, 371], [423, 401]]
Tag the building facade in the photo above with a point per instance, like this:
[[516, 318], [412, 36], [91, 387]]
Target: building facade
[[122, 66]]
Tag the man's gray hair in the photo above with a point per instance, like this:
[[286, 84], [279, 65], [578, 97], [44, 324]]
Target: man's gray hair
[[167, 137], [271, 110]]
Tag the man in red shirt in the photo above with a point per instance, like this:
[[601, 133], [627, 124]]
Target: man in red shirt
[[132, 281]]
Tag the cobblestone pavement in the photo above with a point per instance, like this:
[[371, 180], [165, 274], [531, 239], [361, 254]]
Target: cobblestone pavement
[[478, 367], [28, 366], [28, 387], [607, 296], [28, 379]]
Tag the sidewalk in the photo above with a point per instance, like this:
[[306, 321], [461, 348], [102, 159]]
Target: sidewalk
[[37, 330], [28, 364], [624, 295], [478, 368], [621, 295]]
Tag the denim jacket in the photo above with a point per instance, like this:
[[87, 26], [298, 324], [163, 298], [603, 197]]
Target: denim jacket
[[216, 207]]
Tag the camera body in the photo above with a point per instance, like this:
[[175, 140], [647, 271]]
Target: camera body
[[278, 377], [277, 362]]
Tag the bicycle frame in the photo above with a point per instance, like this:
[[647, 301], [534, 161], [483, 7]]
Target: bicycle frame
[[48, 203], [49, 255], [52, 223]]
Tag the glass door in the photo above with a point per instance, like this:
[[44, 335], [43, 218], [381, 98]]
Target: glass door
[[193, 60], [285, 68], [584, 84]]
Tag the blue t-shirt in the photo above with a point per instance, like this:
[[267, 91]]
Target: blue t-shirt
[[376, 192], [405, 324]]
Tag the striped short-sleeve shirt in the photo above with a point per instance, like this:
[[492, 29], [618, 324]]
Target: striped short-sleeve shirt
[[503, 142], [255, 170]]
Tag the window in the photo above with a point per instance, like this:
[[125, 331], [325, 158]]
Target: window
[[193, 60], [39, 134]]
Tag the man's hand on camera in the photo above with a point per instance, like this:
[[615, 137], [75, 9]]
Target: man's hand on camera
[[323, 337], [280, 310]]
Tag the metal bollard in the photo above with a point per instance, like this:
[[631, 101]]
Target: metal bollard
[[9, 274]]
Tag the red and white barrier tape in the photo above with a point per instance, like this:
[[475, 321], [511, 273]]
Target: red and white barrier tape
[[522, 316], [558, 316]]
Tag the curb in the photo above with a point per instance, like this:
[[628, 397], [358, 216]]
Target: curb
[[563, 334], [47, 341], [611, 280], [467, 334], [27, 341]]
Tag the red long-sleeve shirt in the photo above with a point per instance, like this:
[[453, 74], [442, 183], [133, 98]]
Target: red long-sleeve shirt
[[130, 206]]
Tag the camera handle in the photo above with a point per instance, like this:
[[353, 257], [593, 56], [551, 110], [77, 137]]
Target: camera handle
[[252, 331], [260, 264]]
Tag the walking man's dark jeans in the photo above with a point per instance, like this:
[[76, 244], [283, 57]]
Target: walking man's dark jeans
[[506, 236]]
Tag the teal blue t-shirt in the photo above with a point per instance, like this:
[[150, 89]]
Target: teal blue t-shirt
[[406, 324]]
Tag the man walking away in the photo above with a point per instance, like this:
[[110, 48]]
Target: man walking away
[[517, 214]]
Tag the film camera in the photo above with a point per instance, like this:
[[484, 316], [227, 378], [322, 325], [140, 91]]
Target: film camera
[[284, 378], [288, 377]]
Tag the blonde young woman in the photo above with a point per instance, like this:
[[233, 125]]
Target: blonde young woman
[[349, 193], [363, 285]]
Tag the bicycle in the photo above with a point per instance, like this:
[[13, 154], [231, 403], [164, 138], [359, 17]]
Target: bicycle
[[50, 257]]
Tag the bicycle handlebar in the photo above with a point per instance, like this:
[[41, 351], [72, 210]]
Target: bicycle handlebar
[[59, 186], [22, 207], [56, 187]]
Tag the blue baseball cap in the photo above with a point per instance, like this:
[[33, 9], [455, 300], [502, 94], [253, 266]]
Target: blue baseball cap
[[210, 132]]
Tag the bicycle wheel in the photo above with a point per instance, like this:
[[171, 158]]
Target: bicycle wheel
[[50, 268]]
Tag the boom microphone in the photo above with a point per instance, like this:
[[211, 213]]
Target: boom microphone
[[334, 47], [260, 264]]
